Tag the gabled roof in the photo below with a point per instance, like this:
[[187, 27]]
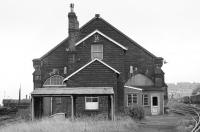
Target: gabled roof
[[126, 86], [53, 49], [97, 31], [90, 21], [128, 38], [139, 80], [88, 65]]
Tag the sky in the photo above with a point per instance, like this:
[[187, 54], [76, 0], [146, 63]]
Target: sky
[[30, 28]]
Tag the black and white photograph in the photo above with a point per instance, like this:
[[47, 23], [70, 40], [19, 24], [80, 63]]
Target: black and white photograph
[[100, 66]]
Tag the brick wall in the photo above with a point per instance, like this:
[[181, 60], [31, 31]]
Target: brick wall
[[96, 75]]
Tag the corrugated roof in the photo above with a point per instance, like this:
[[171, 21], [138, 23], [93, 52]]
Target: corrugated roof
[[75, 90]]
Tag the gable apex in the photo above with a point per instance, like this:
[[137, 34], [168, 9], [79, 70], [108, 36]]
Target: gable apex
[[97, 31], [120, 33], [88, 65]]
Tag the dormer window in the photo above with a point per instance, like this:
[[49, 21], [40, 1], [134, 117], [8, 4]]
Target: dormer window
[[97, 51]]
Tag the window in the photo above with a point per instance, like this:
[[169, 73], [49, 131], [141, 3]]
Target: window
[[132, 99], [91, 103], [145, 99], [155, 101], [55, 80], [65, 70], [97, 51]]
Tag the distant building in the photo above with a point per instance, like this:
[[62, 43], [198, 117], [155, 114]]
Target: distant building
[[97, 70], [181, 89], [24, 103]]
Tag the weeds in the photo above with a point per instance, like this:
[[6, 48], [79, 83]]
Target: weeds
[[89, 125]]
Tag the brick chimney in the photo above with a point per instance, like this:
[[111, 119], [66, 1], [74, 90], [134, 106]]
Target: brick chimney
[[73, 28], [73, 31]]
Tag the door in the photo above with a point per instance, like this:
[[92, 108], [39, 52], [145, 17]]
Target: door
[[38, 111], [155, 105]]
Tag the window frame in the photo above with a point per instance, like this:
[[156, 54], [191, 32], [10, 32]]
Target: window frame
[[97, 52], [49, 81], [143, 100], [133, 95], [91, 97]]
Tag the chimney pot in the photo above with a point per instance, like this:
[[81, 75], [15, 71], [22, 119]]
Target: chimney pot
[[73, 28], [97, 15], [72, 7]]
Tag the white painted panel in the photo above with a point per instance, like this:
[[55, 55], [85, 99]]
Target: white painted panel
[[91, 105]]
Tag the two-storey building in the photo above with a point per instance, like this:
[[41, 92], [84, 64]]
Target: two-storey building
[[97, 70]]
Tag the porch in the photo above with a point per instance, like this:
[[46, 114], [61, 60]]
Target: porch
[[73, 101]]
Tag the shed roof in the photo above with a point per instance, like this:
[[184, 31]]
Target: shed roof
[[74, 90]]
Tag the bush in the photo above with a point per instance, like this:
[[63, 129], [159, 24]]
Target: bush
[[136, 112], [185, 125]]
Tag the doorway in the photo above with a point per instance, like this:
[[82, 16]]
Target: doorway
[[155, 105]]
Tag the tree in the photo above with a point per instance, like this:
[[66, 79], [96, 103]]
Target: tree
[[196, 90]]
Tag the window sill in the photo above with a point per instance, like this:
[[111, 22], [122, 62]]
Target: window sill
[[92, 110]]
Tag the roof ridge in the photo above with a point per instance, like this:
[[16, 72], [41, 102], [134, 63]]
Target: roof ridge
[[127, 37]]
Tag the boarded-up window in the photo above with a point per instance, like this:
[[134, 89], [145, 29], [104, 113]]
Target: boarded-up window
[[55, 80], [97, 51], [132, 99], [91, 103]]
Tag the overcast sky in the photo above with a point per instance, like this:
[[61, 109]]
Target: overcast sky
[[30, 28]]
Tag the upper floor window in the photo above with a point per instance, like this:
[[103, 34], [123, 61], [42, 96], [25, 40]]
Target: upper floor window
[[55, 80], [97, 51], [132, 99]]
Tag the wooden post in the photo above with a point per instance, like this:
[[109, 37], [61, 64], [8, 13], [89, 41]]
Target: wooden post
[[32, 108], [72, 116], [112, 108], [51, 106], [163, 103]]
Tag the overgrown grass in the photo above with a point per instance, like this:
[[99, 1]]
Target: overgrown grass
[[185, 125], [80, 125]]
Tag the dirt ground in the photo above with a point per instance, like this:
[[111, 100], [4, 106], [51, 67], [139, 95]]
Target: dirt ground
[[163, 123]]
